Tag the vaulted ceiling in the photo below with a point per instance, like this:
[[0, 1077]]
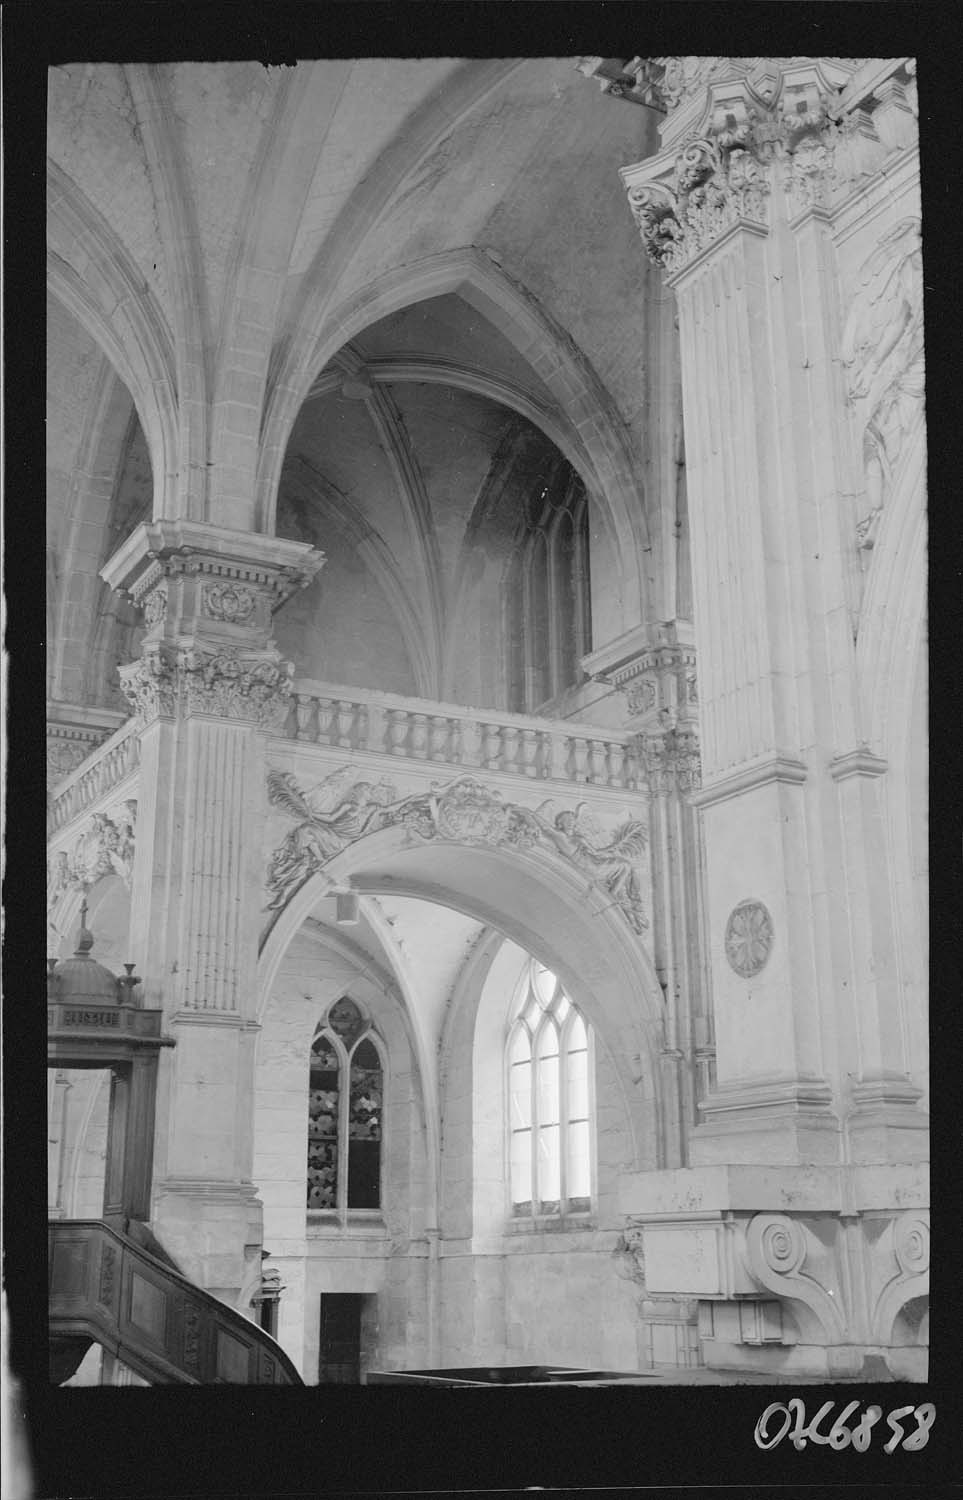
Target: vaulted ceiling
[[333, 298]]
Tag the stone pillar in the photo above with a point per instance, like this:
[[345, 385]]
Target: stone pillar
[[207, 690], [745, 210], [654, 670]]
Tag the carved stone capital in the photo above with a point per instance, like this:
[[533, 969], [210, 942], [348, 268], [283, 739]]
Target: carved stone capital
[[740, 129], [672, 760], [229, 683]]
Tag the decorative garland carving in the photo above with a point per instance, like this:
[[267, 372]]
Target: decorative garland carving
[[337, 812], [230, 602], [106, 847]]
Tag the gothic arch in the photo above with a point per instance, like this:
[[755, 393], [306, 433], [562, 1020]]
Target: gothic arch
[[587, 427]]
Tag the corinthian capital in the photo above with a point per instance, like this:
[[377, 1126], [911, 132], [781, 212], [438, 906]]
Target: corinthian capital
[[227, 683], [745, 138]]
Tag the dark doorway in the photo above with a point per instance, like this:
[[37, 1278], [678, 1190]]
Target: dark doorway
[[339, 1354]]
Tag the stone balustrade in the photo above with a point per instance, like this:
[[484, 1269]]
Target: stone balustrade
[[418, 729], [103, 770]]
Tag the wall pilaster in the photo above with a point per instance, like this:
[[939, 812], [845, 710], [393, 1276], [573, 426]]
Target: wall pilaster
[[800, 365], [207, 689]]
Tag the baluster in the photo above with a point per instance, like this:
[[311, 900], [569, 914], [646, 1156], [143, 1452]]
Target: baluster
[[528, 752], [491, 745], [325, 718], [305, 709], [461, 740], [419, 736], [438, 738], [375, 727], [597, 761], [578, 758], [361, 722], [397, 731], [345, 723], [616, 763], [509, 758]]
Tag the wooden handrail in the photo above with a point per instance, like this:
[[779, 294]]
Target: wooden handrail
[[106, 1288]]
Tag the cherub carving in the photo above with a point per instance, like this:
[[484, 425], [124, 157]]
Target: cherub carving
[[615, 865], [331, 817]]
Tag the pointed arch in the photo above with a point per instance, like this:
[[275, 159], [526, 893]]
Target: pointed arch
[[586, 420]]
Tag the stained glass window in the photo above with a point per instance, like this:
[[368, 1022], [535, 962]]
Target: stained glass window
[[549, 1086], [345, 1115]]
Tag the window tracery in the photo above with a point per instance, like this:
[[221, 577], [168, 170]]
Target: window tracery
[[345, 1114], [548, 596], [549, 1097]]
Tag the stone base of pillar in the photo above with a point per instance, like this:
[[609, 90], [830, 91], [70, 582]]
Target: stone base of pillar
[[208, 1227], [668, 1334], [785, 1121], [813, 1270], [886, 1123]]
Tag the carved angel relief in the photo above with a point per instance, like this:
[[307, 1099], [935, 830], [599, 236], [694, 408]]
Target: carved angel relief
[[340, 810], [882, 351]]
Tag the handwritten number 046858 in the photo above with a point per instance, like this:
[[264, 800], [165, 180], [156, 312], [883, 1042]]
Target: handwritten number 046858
[[840, 1434]]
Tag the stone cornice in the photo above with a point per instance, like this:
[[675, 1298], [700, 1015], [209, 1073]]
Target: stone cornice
[[161, 549], [858, 762], [777, 768]]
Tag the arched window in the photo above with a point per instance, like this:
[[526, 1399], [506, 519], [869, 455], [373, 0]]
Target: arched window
[[549, 1094], [345, 1114]]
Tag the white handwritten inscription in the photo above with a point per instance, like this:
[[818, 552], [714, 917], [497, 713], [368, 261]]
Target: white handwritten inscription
[[840, 1435]]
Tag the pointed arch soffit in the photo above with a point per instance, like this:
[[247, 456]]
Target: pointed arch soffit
[[393, 437], [110, 399], [118, 310], [293, 363], [588, 428], [180, 239], [349, 824], [283, 170], [309, 483]]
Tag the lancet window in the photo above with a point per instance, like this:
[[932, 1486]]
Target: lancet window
[[345, 1114], [550, 1100]]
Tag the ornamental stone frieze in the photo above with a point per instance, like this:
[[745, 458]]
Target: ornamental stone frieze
[[345, 807], [227, 683], [741, 129], [105, 847]]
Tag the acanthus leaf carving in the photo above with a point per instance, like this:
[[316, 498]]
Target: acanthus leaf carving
[[225, 682], [338, 812]]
